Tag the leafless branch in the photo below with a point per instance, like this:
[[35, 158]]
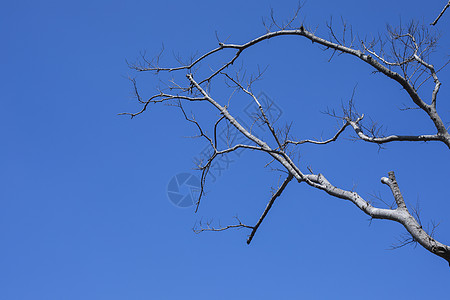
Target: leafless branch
[[391, 138], [418, 47], [269, 206], [334, 138], [201, 226], [440, 15], [400, 214], [403, 57]]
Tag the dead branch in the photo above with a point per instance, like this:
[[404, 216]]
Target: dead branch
[[269, 206], [406, 62], [440, 15]]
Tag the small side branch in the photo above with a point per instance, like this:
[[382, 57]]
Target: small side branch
[[208, 227], [269, 206], [161, 97], [442, 12], [263, 114], [334, 138]]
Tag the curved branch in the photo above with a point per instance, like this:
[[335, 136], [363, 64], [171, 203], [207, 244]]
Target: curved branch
[[391, 138], [400, 214], [334, 138], [429, 109]]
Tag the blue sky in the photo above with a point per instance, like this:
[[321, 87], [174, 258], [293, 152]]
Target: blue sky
[[84, 212]]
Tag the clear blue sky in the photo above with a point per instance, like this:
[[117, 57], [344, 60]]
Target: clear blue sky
[[84, 212]]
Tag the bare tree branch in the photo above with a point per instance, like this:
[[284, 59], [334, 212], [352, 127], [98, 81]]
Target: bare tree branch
[[400, 214], [391, 138], [269, 206], [403, 57], [376, 61], [200, 227], [334, 138], [440, 15]]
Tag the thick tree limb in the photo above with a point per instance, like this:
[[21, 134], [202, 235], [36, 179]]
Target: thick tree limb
[[392, 183], [400, 214]]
